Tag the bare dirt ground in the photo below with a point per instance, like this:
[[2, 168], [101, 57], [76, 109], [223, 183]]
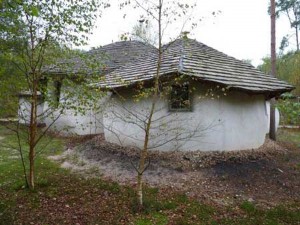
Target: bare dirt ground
[[267, 176]]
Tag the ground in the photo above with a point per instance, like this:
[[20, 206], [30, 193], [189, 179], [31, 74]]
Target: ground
[[267, 176], [257, 188]]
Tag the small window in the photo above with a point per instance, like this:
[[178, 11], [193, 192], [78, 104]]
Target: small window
[[180, 98], [43, 87], [57, 92]]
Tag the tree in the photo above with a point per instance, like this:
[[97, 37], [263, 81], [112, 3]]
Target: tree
[[164, 14], [144, 32], [272, 132], [287, 67], [290, 8], [9, 86], [39, 25]]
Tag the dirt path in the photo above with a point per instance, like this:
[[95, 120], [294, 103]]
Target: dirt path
[[267, 176]]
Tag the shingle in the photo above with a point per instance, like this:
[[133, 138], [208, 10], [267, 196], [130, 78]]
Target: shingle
[[107, 58], [192, 58]]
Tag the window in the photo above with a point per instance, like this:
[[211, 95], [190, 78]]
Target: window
[[56, 94], [180, 98], [43, 87]]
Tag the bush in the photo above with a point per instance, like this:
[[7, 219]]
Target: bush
[[290, 111]]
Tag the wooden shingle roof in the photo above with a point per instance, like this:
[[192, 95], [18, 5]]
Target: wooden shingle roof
[[107, 58], [120, 53], [192, 58]]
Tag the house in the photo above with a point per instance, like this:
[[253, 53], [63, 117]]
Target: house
[[209, 100], [71, 121]]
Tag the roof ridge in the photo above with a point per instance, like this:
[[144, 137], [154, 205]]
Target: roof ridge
[[181, 58]]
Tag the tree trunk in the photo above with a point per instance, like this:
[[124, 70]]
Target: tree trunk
[[297, 38], [143, 157], [31, 169], [144, 153], [272, 132], [140, 178], [32, 133]]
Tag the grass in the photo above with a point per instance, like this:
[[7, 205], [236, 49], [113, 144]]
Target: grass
[[276, 216], [290, 136], [64, 198], [10, 163]]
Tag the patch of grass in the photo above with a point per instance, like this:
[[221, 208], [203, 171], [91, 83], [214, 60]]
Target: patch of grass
[[153, 202], [12, 180], [156, 218], [289, 215], [10, 161], [195, 211], [290, 136], [248, 207], [6, 216], [182, 198], [283, 215], [112, 187]]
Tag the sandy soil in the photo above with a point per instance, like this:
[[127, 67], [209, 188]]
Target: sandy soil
[[267, 176]]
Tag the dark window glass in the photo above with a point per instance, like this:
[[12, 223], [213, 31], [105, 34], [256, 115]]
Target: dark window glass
[[180, 97], [57, 90]]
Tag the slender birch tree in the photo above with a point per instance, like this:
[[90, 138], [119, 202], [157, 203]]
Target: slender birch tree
[[39, 24], [164, 14]]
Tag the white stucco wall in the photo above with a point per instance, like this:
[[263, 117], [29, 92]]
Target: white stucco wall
[[70, 121], [277, 116], [234, 122], [75, 122], [25, 108]]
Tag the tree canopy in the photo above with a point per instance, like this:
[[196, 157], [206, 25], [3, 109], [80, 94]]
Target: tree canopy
[[291, 9], [288, 68]]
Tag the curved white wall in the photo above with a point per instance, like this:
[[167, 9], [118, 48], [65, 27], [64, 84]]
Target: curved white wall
[[70, 121], [277, 116], [234, 122], [25, 108], [74, 122]]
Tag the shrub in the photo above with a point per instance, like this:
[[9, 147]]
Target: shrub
[[290, 111]]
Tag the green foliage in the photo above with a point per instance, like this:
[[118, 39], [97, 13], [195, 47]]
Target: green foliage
[[288, 68], [32, 33], [41, 28], [54, 20], [9, 87], [290, 111], [291, 9]]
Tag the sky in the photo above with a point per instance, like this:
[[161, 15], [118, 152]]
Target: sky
[[241, 29]]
